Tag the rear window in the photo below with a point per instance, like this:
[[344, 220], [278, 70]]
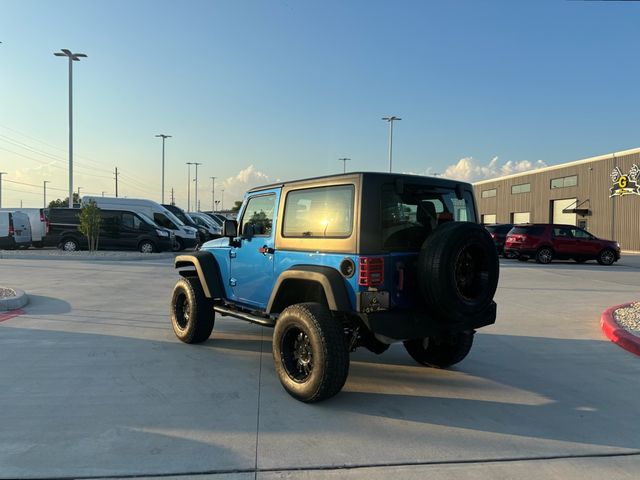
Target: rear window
[[323, 212], [527, 230], [409, 217]]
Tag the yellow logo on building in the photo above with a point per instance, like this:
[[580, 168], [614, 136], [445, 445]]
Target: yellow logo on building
[[625, 184]]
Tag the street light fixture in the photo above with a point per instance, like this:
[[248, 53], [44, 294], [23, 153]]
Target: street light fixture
[[344, 164], [44, 184], [1, 173], [164, 137], [196, 206], [73, 57], [390, 120], [189, 186]]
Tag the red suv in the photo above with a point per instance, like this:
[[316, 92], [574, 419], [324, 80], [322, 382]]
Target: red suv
[[546, 242]]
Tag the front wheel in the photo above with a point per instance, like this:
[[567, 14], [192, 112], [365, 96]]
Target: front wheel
[[310, 352], [147, 246], [192, 315], [440, 352], [178, 245], [606, 257]]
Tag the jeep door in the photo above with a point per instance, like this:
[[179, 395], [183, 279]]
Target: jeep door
[[251, 261]]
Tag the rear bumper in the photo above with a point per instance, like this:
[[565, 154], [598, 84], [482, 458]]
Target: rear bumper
[[404, 325]]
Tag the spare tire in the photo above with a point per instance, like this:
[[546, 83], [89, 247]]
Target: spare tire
[[458, 271]]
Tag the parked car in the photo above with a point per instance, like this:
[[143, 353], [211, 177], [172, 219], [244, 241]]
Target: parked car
[[119, 230], [218, 217], [205, 221], [203, 233], [37, 220], [323, 262], [499, 232], [546, 242], [15, 230], [185, 236]]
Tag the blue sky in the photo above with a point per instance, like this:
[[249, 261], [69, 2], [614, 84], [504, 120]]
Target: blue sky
[[280, 89]]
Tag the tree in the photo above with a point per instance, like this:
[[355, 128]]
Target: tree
[[236, 206], [90, 224], [64, 203]]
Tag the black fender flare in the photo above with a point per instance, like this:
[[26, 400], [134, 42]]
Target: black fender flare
[[207, 270], [328, 278]]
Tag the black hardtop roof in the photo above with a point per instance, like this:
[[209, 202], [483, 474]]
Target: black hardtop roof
[[437, 181]]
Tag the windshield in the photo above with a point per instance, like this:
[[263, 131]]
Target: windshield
[[409, 217], [173, 218]]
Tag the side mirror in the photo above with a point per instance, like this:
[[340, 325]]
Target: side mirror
[[230, 229]]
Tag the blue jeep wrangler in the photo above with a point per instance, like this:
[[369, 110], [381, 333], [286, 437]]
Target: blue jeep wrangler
[[345, 261]]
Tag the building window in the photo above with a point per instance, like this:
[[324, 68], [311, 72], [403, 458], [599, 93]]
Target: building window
[[570, 181], [522, 188], [520, 217], [489, 193], [489, 219]]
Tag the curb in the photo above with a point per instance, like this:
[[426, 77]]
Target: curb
[[14, 303], [616, 333]]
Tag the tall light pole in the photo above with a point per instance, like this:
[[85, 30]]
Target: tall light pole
[[222, 198], [344, 164], [73, 57], [189, 186], [1, 173], [197, 207], [79, 188], [44, 184], [213, 196], [390, 120], [164, 137]]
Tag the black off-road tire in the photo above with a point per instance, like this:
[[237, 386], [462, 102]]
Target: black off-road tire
[[458, 271], [192, 315], [544, 255], [440, 352], [606, 257], [310, 352]]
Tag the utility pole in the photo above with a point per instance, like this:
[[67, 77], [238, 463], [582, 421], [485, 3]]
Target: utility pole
[[173, 198], [390, 120], [196, 204], [116, 177], [222, 204], [44, 184], [103, 193], [79, 188], [213, 197], [189, 186], [344, 164], [73, 57], [1, 173], [164, 137]]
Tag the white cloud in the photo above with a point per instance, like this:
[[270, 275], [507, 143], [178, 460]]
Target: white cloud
[[236, 186], [470, 170]]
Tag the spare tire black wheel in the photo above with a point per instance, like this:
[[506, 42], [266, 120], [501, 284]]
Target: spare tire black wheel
[[458, 271], [440, 352]]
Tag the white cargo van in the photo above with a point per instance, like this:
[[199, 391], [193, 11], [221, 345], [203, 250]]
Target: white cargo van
[[185, 237], [15, 230], [38, 221]]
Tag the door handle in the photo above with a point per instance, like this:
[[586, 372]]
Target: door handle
[[266, 250]]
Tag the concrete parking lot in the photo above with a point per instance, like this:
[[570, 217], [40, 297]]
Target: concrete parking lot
[[93, 383]]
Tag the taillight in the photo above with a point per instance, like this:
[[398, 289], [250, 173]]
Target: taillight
[[45, 220], [371, 271], [11, 230]]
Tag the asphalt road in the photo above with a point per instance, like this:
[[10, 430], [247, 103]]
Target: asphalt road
[[93, 383]]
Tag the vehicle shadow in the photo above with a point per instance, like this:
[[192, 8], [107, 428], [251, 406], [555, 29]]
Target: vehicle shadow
[[43, 305], [559, 389]]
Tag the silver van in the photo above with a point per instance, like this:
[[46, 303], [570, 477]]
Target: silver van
[[38, 220], [15, 230]]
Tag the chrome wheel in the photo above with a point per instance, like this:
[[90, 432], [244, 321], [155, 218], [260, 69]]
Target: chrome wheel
[[146, 247], [607, 257], [70, 246], [545, 255]]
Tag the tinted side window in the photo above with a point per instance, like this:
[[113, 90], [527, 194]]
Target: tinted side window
[[259, 214], [562, 232], [319, 212], [579, 233], [129, 220], [163, 221]]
